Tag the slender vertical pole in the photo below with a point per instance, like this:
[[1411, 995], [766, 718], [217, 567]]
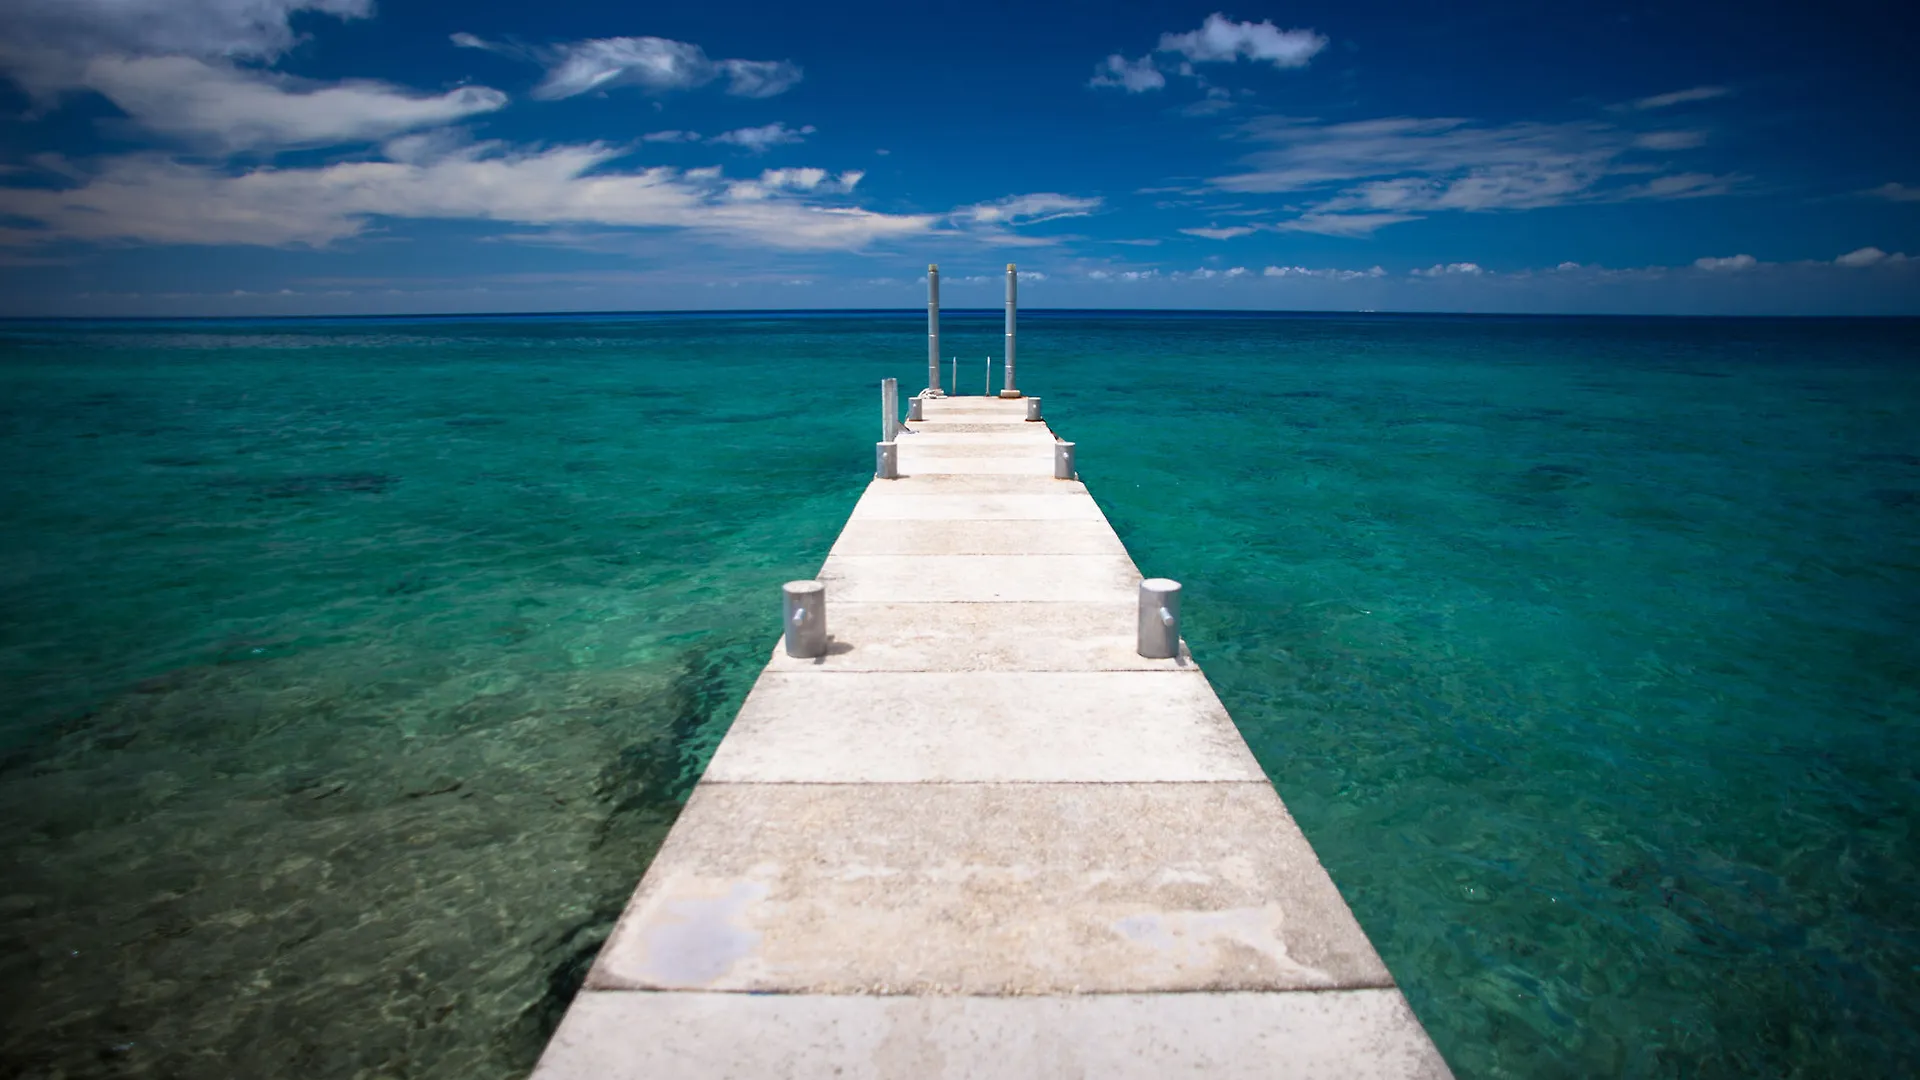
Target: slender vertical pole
[[955, 366], [986, 384], [889, 409], [933, 327], [1009, 388]]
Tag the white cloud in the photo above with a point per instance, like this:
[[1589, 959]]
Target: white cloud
[[1682, 97], [671, 137], [1123, 275], [1729, 262], [1220, 39], [1343, 224], [237, 109], [46, 43], [148, 197], [1897, 193], [757, 140], [655, 65], [1027, 209], [1227, 233], [1335, 275], [1401, 168], [1870, 256], [1450, 270], [1670, 140], [1135, 76]]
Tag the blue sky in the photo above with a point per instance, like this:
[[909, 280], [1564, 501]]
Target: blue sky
[[341, 156]]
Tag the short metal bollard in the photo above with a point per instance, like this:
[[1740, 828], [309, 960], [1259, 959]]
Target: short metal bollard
[[1063, 461], [1033, 409], [914, 408], [804, 618], [1159, 618], [886, 461]]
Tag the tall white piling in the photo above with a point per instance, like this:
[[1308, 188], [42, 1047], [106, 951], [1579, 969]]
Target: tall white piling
[[889, 409], [933, 327], [803, 618], [1159, 618], [1010, 389]]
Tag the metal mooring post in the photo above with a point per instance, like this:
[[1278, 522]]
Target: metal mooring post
[[1159, 618], [886, 460], [916, 411], [1010, 389], [933, 327], [1033, 409], [803, 618], [1063, 461]]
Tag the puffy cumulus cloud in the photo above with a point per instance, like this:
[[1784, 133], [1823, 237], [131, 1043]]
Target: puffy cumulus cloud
[[1459, 269], [1373, 173], [1220, 39], [758, 140], [1682, 97], [1869, 256], [156, 199], [1123, 275], [654, 65], [1026, 209], [1133, 76], [1332, 274], [235, 109], [1227, 233], [1728, 262], [816, 181]]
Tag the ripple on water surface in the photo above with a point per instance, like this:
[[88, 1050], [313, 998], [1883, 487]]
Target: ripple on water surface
[[354, 671]]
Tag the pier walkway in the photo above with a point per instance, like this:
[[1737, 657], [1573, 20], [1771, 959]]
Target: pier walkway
[[982, 836]]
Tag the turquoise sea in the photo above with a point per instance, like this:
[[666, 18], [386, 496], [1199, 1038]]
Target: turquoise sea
[[351, 670]]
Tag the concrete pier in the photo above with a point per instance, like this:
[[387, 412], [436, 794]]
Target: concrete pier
[[981, 836]]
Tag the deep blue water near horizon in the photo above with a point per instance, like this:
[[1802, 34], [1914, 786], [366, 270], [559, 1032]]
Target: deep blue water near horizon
[[351, 670]]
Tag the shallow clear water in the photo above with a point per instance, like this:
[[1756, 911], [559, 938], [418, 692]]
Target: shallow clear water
[[351, 671]]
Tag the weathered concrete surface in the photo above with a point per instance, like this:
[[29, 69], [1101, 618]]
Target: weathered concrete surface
[[1356, 1035], [969, 727], [1005, 637], [979, 578], [981, 836], [986, 889], [869, 535]]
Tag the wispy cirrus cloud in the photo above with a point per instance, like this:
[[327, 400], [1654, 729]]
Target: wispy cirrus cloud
[[192, 71], [1681, 97], [1896, 192], [1217, 233], [1027, 209], [1219, 40], [654, 65], [1372, 173], [758, 140], [237, 109], [162, 200]]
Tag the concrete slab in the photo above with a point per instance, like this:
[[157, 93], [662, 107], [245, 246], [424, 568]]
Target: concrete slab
[[1027, 465], [1012, 440], [1342, 1035], [982, 424], [986, 889], [978, 578], [877, 536], [932, 499], [982, 727], [980, 637]]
